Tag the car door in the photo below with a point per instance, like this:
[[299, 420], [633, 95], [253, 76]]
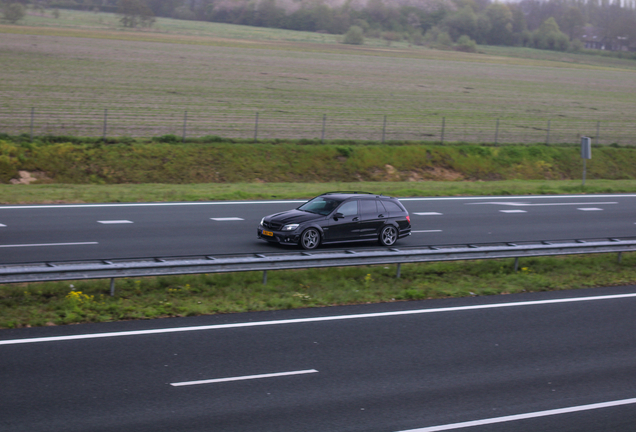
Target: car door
[[372, 218], [346, 227]]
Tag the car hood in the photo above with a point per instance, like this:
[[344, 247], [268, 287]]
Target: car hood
[[293, 216]]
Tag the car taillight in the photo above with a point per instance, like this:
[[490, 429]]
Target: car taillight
[[408, 218]]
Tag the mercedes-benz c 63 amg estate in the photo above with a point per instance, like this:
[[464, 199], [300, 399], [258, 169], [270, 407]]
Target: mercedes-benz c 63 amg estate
[[336, 217]]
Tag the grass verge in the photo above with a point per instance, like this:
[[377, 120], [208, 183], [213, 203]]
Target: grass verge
[[72, 302], [67, 193]]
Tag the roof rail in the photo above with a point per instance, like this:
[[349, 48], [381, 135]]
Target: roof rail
[[348, 192]]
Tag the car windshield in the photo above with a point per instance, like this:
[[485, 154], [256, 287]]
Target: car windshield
[[320, 205]]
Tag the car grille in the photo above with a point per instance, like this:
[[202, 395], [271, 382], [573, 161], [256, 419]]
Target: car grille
[[272, 225]]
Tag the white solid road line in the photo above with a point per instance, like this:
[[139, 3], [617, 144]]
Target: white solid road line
[[223, 219], [49, 244], [518, 204], [170, 204], [314, 319], [198, 203], [243, 378], [115, 222], [524, 416]]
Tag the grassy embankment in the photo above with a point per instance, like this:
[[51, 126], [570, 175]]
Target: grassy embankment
[[217, 171], [143, 298]]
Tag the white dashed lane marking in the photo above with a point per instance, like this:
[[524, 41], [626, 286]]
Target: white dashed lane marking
[[428, 214], [48, 244], [426, 231], [2, 225], [513, 211], [591, 209], [243, 378], [225, 219], [115, 222]]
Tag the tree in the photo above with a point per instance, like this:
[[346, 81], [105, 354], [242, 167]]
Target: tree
[[572, 22], [466, 44], [135, 13], [548, 36], [354, 36], [13, 12], [501, 22], [463, 22]]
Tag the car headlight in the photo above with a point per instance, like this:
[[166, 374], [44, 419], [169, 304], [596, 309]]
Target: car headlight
[[290, 227]]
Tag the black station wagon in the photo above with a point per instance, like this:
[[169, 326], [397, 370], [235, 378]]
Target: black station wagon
[[336, 217]]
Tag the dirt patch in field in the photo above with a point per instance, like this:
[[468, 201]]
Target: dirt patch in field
[[26, 177]]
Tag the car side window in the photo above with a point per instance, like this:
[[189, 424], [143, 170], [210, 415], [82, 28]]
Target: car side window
[[368, 207], [382, 209], [349, 208], [392, 207]]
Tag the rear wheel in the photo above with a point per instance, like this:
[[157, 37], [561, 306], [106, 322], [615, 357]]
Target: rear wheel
[[310, 239], [388, 235]]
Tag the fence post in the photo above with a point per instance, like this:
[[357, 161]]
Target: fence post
[[384, 129], [443, 126], [497, 132], [547, 137], [105, 120], [32, 112], [185, 121], [324, 120], [598, 127], [256, 128]]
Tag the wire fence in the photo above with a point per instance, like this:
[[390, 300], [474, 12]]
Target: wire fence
[[267, 125]]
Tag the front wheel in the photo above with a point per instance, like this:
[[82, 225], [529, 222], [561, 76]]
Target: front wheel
[[388, 235], [310, 239]]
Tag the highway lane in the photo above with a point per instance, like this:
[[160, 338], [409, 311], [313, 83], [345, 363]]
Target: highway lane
[[404, 366], [67, 232]]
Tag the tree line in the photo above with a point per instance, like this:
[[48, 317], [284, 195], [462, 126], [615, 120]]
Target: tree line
[[546, 24]]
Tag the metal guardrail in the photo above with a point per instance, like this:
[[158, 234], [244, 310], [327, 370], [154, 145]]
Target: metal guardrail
[[42, 272]]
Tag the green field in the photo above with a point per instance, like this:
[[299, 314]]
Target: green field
[[70, 70]]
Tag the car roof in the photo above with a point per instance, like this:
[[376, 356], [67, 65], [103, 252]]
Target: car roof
[[341, 196]]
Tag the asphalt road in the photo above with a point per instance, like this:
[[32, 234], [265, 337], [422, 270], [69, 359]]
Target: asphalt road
[[102, 231], [407, 366]]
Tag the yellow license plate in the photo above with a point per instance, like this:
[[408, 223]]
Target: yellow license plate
[[268, 233]]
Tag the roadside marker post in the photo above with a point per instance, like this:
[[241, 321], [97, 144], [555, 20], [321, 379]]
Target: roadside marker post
[[586, 153]]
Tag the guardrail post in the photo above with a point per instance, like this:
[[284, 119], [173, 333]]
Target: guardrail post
[[264, 277], [516, 264], [620, 257], [112, 287], [399, 271]]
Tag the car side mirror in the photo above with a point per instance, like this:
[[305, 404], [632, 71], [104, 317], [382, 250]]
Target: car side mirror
[[338, 216]]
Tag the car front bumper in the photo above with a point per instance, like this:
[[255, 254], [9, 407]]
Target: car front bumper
[[291, 238]]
